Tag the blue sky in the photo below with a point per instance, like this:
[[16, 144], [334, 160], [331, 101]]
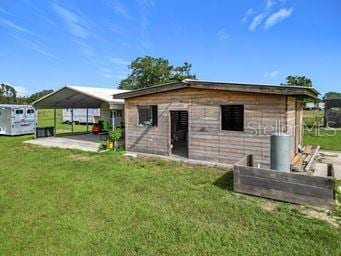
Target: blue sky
[[47, 44]]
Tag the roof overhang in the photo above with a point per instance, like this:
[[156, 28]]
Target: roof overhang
[[223, 86], [76, 97]]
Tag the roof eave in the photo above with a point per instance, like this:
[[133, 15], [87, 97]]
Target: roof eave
[[290, 91], [267, 89], [48, 95], [151, 90]]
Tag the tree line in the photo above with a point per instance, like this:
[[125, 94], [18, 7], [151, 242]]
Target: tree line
[[8, 95]]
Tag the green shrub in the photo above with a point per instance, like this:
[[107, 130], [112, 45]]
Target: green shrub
[[115, 135]]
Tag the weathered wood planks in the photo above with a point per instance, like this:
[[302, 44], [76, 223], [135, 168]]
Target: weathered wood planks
[[305, 160], [289, 187]]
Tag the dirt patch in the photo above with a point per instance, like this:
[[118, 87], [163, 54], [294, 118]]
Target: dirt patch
[[268, 206], [26, 147], [80, 157], [321, 215]]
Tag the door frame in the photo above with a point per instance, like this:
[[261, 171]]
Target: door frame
[[170, 151]]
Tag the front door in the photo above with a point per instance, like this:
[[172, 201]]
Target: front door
[[179, 133]]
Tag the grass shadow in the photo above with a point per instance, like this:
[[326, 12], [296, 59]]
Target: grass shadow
[[225, 182]]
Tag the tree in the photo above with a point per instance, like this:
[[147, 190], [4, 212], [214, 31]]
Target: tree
[[7, 94], [37, 95], [299, 81], [148, 71], [303, 82], [332, 95]]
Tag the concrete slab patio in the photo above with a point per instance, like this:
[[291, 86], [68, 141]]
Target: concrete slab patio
[[85, 142]]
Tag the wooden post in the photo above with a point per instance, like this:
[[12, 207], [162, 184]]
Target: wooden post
[[113, 125], [55, 120]]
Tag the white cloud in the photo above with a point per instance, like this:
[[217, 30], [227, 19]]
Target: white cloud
[[5, 12], [17, 28], [75, 23], [257, 20], [271, 74], [121, 10], [145, 5], [22, 91], [119, 61], [247, 14], [265, 18], [277, 17], [269, 4], [35, 47], [223, 35], [108, 73]]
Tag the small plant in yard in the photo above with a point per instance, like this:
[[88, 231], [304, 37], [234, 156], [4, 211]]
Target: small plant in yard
[[103, 146], [115, 135]]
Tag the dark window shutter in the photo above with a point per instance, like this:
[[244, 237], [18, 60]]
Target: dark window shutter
[[232, 117]]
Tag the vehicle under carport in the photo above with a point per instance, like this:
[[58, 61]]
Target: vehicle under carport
[[52, 132]]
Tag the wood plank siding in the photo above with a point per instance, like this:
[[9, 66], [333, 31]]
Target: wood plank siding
[[206, 141], [290, 187]]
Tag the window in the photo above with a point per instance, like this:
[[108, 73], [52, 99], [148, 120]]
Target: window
[[147, 115], [232, 117], [30, 111], [19, 112]]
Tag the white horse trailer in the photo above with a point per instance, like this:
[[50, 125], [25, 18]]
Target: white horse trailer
[[79, 116], [17, 119]]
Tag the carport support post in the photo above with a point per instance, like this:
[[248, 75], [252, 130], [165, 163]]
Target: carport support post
[[72, 120], [113, 125], [55, 120], [87, 120]]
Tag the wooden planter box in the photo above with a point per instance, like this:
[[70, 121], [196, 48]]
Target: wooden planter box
[[289, 187]]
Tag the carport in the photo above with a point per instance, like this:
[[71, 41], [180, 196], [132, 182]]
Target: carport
[[77, 97]]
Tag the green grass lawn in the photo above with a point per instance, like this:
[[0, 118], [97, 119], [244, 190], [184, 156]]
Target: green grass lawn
[[328, 139], [66, 202]]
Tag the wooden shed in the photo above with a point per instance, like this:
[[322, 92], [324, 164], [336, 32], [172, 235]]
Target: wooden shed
[[212, 121]]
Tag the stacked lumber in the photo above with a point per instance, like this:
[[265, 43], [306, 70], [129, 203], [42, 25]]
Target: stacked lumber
[[305, 160]]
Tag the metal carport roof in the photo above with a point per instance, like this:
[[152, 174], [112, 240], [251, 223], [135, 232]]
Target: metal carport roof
[[78, 97]]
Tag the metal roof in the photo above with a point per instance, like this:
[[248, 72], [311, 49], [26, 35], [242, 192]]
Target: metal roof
[[79, 97], [223, 86]]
